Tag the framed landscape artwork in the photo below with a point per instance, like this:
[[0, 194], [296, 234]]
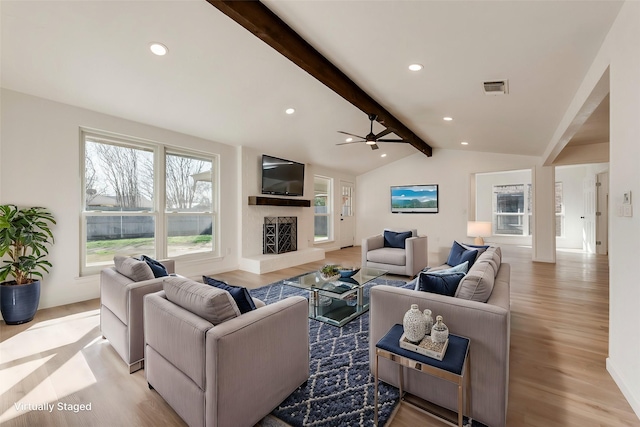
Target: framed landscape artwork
[[414, 198]]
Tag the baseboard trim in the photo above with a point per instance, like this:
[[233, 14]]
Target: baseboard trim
[[634, 401]]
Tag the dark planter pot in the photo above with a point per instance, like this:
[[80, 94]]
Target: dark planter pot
[[19, 303]]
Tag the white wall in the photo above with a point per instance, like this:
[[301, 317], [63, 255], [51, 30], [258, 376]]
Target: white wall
[[484, 200], [253, 216], [40, 166], [622, 50], [452, 171], [619, 59]]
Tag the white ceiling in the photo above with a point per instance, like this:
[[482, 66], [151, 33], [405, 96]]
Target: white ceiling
[[221, 83]]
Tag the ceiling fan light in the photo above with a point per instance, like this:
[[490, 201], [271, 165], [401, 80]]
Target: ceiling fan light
[[370, 142]]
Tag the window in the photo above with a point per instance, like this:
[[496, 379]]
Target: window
[[124, 185], [513, 209], [322, 208], [189, 204], [509, 214], [559, 210]]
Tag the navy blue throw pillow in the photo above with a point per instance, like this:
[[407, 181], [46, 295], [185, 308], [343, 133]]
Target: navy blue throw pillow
[[239, 294], [460, 254], [443, 284], [394, 239], [158, 269]]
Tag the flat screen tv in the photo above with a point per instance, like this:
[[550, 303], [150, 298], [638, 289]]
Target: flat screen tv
[[282, 177], [414, 199]]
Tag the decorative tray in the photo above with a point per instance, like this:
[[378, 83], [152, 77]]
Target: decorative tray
[[425, 347]]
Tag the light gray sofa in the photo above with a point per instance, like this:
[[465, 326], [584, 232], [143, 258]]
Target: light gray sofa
[[487, 324], [404, 262], [228, 374], [121, 299]]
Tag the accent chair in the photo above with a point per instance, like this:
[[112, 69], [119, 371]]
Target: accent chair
[[121, 300], [400, 252], [217, 367]]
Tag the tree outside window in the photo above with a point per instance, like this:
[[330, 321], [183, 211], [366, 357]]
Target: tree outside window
[[121, 190]]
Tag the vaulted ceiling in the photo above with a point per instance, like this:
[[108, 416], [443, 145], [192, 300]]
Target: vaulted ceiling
[[221, 83]]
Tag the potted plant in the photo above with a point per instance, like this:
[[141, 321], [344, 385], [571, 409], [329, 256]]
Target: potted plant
[[24, 238], [329, 271]]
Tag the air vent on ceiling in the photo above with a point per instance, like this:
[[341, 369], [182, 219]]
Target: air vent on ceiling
[[496, 87]]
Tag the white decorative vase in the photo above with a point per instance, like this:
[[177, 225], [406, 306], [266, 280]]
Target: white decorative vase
[[414, 324], [440, 331], [429, 321]]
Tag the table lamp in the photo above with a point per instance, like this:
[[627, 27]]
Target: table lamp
[[478, 229]]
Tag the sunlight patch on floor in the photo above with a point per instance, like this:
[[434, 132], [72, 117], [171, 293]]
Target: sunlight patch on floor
[[45, 363], [14, 374], [48, 335]]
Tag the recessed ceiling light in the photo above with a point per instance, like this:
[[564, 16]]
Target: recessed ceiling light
[[158, 49], [290, 110], [416, 67], [447, 119], [349, 139], [464, 143], [383, 155]]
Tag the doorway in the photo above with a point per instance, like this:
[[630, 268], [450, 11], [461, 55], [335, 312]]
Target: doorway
[[347, 218]]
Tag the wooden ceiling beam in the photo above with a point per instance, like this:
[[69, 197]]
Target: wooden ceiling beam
[[266, 25]]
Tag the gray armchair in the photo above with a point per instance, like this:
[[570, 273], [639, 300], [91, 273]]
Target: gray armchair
[[220, 369], [121, 299], [405, 262]]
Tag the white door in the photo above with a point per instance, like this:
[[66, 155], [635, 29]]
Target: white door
[[347, 218], [589, 218], [602, 213]]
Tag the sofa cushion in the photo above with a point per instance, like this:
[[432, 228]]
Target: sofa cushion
[[132, 268], [460, 268], [477, 284], [393, 256], [479, 248], [157, 268], [460, 254], [213, 304], [443, 284], [393, 239], [491, 257], [240, 295]]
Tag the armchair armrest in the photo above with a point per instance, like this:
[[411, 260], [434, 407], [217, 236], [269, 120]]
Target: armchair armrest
[[417, 254], [169, 264], [369, 244], [264, 349]]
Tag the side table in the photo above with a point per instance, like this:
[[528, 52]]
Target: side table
[[454, 367]]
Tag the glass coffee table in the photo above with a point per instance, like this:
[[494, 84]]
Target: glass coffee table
[[337, 301]]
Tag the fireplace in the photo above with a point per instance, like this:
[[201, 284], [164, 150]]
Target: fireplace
[[280, 234]]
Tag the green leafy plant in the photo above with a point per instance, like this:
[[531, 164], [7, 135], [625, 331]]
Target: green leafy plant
[[24, 237], [330, 270]]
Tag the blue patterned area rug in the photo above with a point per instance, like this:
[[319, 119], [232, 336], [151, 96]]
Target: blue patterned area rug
[[339, 391]]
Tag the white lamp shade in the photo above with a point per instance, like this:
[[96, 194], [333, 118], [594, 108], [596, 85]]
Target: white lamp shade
[[478, 229]]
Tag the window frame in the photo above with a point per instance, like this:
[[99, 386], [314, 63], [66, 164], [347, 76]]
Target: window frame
[[329, 206], [158, 210], [524, 216]]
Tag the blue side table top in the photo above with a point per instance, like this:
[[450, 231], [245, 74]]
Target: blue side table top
[[453, 360]]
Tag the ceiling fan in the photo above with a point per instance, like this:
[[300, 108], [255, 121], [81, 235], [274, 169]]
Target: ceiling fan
[[372, 139]]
